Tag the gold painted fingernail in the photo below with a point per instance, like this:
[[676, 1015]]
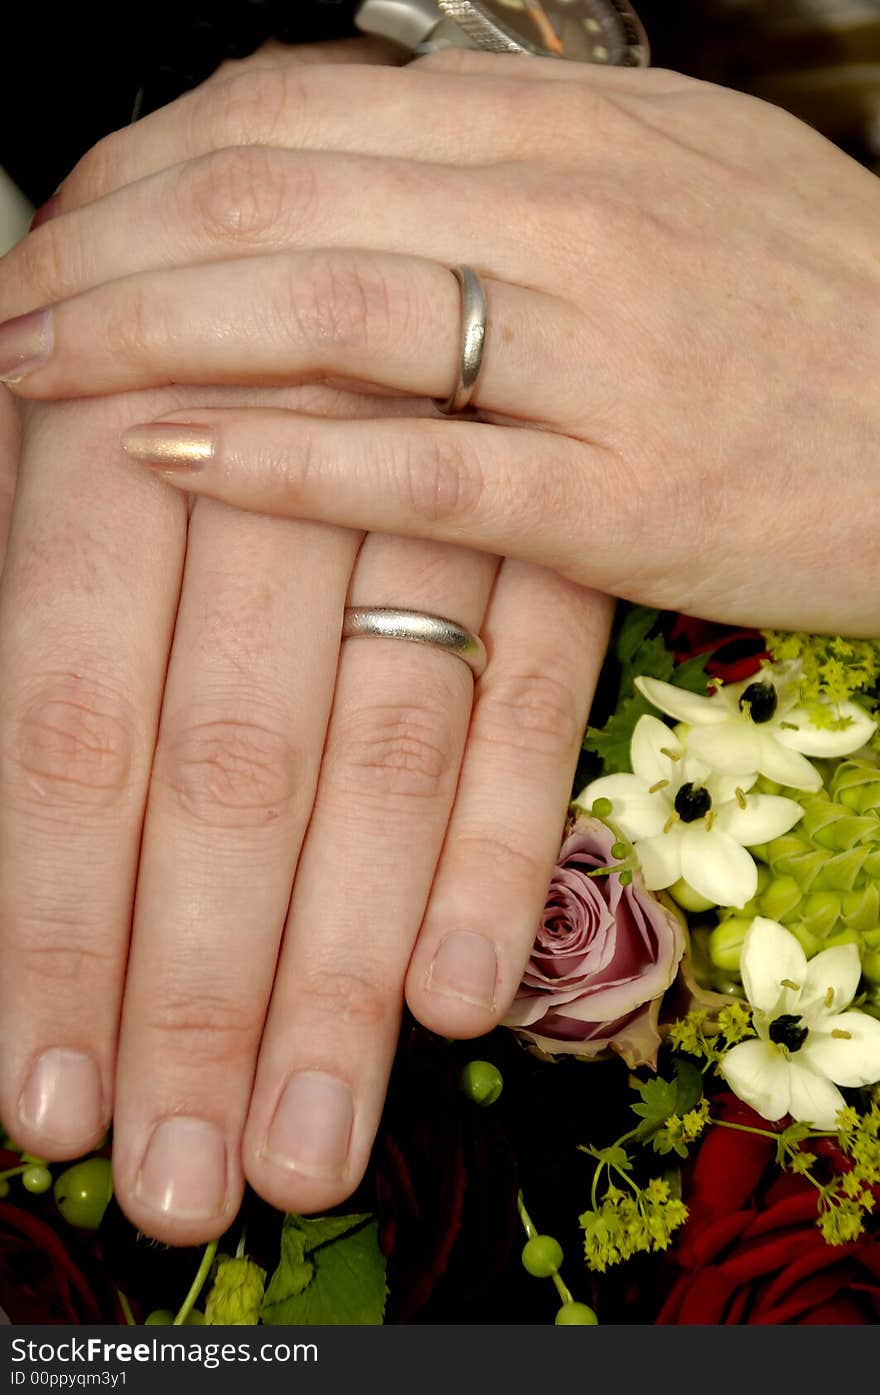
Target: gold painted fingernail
[[170, 445]]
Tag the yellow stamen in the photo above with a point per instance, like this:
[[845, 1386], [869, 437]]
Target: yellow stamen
[[670, 822], [841, 1035], [668, 751], [789, 726], [829, 996], [790, 983], [710, 819], [740, 798], [660, 785]]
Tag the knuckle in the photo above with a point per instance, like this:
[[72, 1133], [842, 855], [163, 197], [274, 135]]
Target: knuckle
[[368, 998], [49, 263], [216, 1027], [236, 195], [501, 858], [100, 170], [71, 744], [248, 107], [228, 774], [442, 481], [393, 752], [529, 711], [132, 323], [52, 953], [343, 305]]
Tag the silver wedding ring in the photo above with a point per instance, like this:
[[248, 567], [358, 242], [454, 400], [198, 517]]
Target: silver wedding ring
[[474, 312], [419, 628]]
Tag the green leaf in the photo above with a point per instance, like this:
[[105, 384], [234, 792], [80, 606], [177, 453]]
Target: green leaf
[[789, 1139], [331, 1273], [613, 1156], [640, 652], [660, 1098]]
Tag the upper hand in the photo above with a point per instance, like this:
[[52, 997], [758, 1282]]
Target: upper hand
[[682, 285]]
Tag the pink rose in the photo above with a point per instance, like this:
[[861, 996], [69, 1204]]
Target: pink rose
[[603, 958]]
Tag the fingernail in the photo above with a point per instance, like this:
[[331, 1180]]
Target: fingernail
[[170, 445], [25, 344], [466, 967], [63, 1099], [183, 1173], [45, 212], [311, 1130]]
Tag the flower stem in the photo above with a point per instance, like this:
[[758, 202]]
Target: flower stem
[[528, 1223], [198, 1284], [126, 1308], [14, 1172]]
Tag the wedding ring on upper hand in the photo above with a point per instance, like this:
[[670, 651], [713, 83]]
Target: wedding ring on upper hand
[[474, 314]]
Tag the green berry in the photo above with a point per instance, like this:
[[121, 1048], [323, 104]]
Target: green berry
[[481, 1082], [36, 1179], [626, 877], [602, 808], [83, 1191], [576, 1315], [159, 1317], [619, 850], [684, 895], [542, 1256], [194, 1318]]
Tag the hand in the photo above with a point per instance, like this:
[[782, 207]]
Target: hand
[[186, 800], [682, 330]]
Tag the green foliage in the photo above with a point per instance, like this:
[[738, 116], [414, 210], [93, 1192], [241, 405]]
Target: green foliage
[[331, 1273], [662, 1100], [833, 670], [237, 1293], [639, 650]]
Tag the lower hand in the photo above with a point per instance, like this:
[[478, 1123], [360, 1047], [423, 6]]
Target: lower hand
[[162, 728]]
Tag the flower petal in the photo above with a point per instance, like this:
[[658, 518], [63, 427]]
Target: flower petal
[[840, 969], [660, 859], [814, 1100], [723, 788], [649, 739], [636, 813], [758, 1073], [717, 866], [765, 816], [733, 748], [827, 741], [783, 765], [682, 705], [770, 953], [853, 1059]]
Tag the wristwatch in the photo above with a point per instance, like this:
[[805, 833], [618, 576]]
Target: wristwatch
[[589, 31]]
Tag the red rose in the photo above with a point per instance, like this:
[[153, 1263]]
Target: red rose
[[751, 1253], [735, 654]]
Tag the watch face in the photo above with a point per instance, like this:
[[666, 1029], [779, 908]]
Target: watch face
[[590, 31]]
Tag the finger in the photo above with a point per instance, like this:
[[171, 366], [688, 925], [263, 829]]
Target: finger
[[547, 638], [388, 780], [10, 448], [389, 320], [85, 624], [506, 490], [415, 113], [246, 702]]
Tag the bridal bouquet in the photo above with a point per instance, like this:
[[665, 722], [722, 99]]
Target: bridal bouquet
[[679, 1121]]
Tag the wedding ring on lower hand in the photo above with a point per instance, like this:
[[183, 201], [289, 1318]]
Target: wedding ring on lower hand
[[419, 628]]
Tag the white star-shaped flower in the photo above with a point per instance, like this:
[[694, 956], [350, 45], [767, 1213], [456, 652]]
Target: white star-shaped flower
[[759, 724], [687, 820], [807, 1044]]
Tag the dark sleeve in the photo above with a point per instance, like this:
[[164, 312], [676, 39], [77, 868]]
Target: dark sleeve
[[73, 73]]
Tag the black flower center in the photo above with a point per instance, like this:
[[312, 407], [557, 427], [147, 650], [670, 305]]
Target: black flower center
[[692, 802], [787, 1031], [760, 701]]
